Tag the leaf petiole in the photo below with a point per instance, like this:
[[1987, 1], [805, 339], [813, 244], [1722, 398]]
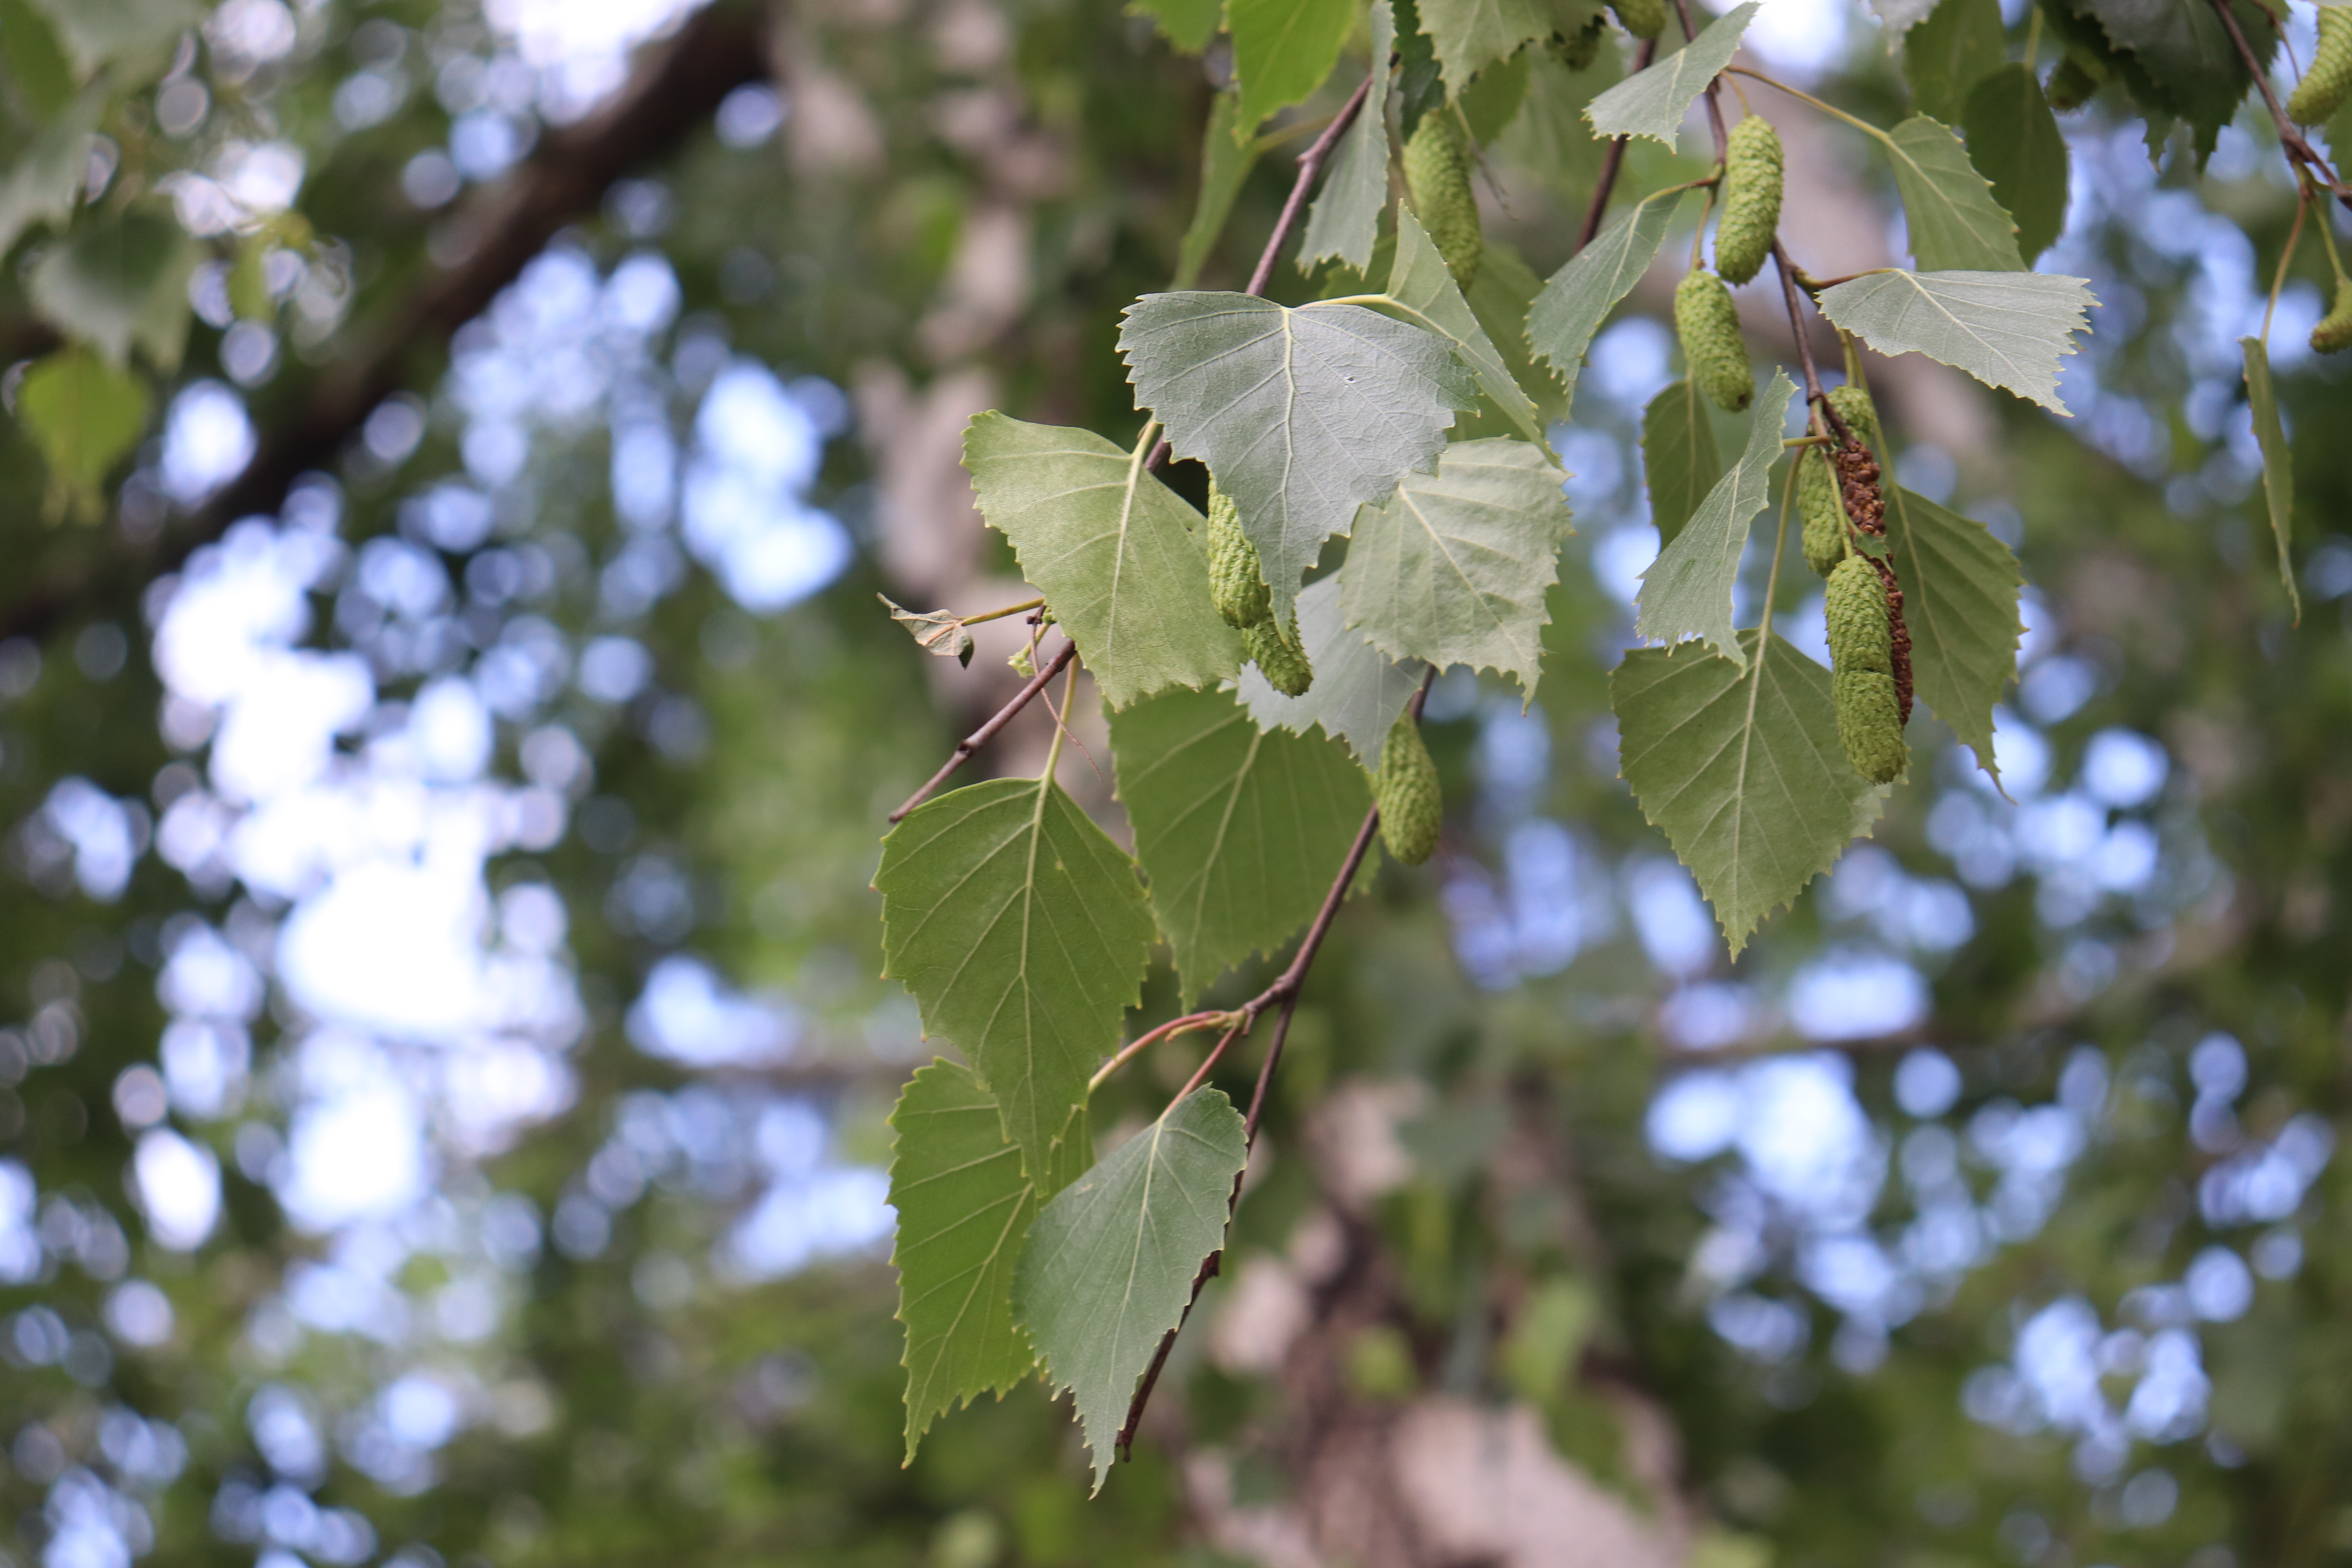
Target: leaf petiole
[[1188, 1024]]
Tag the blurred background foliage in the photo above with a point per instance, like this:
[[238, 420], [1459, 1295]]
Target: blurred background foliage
[[443, 738]]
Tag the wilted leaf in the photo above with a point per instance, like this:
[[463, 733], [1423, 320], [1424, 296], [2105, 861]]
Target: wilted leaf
[[938, 633]]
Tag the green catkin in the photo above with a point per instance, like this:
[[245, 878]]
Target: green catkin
[[1237, 583], [1751, 200], [1861, 672], [1437, 174], [1413, 807], [1279, 656], [1817, 486], [2325, 87], [1643, 18], [1817, 503], [1579, 49], [2070, 86], [2332, 335], [1708, 323]]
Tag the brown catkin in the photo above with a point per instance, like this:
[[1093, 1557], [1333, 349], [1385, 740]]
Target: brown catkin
[[1751, 200], [1437, 176], [1236, 582], [1413, 806], [1279, 656], [1708, 323], [2325, 87]]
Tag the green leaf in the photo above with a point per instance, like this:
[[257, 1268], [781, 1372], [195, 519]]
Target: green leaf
[[30, 47], [2014, 138], [1109, 1265], [1359, 691], [1471, 35], [1742, 770], [42, 184], [1021, 930], [1282, 49], [1901, 16], [2278, 462], [1111, 547], [1302, 415], [1454, 567], [86, 414], [2007, 329], [97, 32], [1687, 592], [2180, 59], [1678, 457], [1568, 313], [1423, 287], [1959, 600], [1955, 47], [1491, 102], [1344, 221], [116, 283], [1653, 103], [1419, 86], [1239, 829], [1226, 165], [1956, 225], [1499, 297], [1551, 138], [1187, 23], [964, 1210]]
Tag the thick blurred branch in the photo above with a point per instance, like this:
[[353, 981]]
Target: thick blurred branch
[[673, 93]]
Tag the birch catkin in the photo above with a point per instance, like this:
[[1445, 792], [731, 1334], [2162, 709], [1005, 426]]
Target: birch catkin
[[1751, 200], [1413, 806], [1236, 580], [1862, 674], [1708, 323], [1437, 174], [2328, 82]]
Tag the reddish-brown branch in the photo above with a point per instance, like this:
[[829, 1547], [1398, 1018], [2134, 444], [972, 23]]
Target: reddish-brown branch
[[1611, 162], [987, 732], [2299, 151]]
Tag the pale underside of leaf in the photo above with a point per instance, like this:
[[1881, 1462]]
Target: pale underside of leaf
[[1653, 103], [1022, 932], [2007, 329], [1423, 288], [1454, 567], [1960, 586], [964, 1208], [2278, 462], [1301, 415], [1955, 224], [1238, 829], [1112, 550], [1359, 691], [1742, 770], [1579, 296], [1110, 1263], [1687, 590]]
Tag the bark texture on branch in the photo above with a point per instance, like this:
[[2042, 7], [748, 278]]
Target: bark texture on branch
[[676, 87]]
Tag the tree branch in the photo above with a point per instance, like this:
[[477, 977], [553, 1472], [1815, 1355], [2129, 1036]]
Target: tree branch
[[987, 732], [675, 89], [2291, 140], [1612, 162]]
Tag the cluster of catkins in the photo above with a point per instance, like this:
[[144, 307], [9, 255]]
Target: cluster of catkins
[[1705, 320], [1405, 785], [1838, 495]]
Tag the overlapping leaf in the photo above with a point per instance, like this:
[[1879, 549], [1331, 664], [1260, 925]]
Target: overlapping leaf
[[1653, 103], [41, 184], [1112, 550], [1424, 290], [1742, 770], [1187, 24], [1110, 1263], [1955, 224], [1302, 415], [2014, 138], [1579, 296], [964, 1208], [98, 32], [1471, 35], [1359, 691], [1505, 288], [1227, 156], [1023, 934], [1679, 456], [1344, 221], [1453, 568], [1687, 592], [1959, 600], [2278, 462], [1282, 49], [1238, 828], [86, 414], [120, 282], [1954, 46], [2007, 329]]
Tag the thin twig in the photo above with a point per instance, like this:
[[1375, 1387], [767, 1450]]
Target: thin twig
[[1284, 991], [987, 732], [1714, 109], [1788, 271], [1611, 162], [2291, 141], [1169, 1030], [986, 615]]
